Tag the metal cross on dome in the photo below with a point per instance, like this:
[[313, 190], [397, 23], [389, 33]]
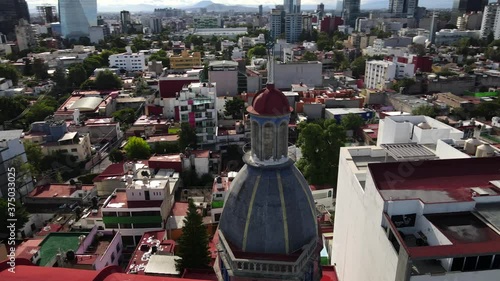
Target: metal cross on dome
[[270, 59]]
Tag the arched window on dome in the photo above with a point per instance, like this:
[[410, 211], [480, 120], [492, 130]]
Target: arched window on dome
[[256, 141], [268, 134], [282, 140]]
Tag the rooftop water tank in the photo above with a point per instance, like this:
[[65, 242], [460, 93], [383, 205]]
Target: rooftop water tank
[[424, 126], [485, 150], [471, 145]]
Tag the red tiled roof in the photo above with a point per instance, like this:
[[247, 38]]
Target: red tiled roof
[[24, 270], [57, 190], [201, 153], [112, 170], [148, 238]]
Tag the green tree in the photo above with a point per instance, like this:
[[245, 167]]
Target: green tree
[[88, 84], [137, 148], [187, 136], [116, 155], [9, 72], [358, 67], [105, 57], [125, 116], [320, 144], [427, 110], [309, 56], [41, 109], [107, 80], [61, 81], [40, 69], [325, 42], [10, 210], [487, 110], [257, 51], [28, 68], [352, 121], [10, 107], [193, 244], [166, 148], [140, 44], [76, 75], [91, 63], [403, 83], [35, 155], [234, 107]]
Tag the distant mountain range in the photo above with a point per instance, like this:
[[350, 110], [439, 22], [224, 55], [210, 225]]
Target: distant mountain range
[[149, 6]]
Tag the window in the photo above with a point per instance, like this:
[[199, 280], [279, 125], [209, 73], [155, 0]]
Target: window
[[113, 257], [268, 141], [109, 214], [184, 117], [147, 225], [209, 114], [283, 137], [74, 150], [255, 137], [125, 225], [123, 214], [111, 225], [118, 248], [184, 108], [198, 115]]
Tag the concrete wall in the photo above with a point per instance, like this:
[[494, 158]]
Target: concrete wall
[[446, 151], [457, 87], [313, 110], [293, 73], [361, 250], [227, 82]]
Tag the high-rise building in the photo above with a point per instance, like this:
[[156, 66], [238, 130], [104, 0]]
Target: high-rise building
[[320, 10], [261, 10], [417, 206], [125, 21], [11, 11], [25, 35], [403, 8], [268, 229], [48, 13], [351, 9], [433, 29], [293, 27], [292, 6], [490, 23], [276, 23], [155, 25], [466, 6], [76, 16]]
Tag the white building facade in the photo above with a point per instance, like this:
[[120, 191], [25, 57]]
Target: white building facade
[[128, 61]]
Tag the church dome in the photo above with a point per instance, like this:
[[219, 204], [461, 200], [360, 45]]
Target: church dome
[[270, 210], [270, 102]]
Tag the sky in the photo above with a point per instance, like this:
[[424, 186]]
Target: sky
[[108, 4]]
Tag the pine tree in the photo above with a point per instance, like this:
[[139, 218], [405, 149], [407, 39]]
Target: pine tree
[[193, 244]]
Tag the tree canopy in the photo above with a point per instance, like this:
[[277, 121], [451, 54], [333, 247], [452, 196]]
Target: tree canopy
[[358, 67], [107, 80], [9, 72], [40, 69], [192, 246], [320, 144], [427, 110], [19, 213], [352, 121], [76, 75], [309, 56], [116, 155], [125, 116], [137, 148], [257, 51], [235, 108], [187, 136], [11, 107], [35, 156]]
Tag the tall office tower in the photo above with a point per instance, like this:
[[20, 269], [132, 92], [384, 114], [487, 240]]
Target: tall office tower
[[47, 13], [351, 11], [261, 10], [432, 33], [11, 11], [25, 36], [76, 16], [320, 9], [293, 27], [155, 25], [276, 23], [292, 6], [339, 8], [403, 8], [125, 21]]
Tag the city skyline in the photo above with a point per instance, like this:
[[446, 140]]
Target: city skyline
[[108, 5]]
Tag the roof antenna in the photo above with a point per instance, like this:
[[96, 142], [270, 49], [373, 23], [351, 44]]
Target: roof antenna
[[270, 60]]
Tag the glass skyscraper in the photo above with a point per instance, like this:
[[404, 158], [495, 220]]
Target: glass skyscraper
[[76, 16], [351, 11]]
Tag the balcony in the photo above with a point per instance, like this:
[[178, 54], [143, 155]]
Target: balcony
[[273, 269]]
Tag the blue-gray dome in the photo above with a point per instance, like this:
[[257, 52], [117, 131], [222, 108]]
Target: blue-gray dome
[[270, 209]]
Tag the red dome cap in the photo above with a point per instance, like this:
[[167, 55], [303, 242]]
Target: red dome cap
[[270, 102]]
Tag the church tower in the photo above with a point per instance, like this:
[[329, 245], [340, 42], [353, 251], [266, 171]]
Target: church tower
[[268, 229]]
